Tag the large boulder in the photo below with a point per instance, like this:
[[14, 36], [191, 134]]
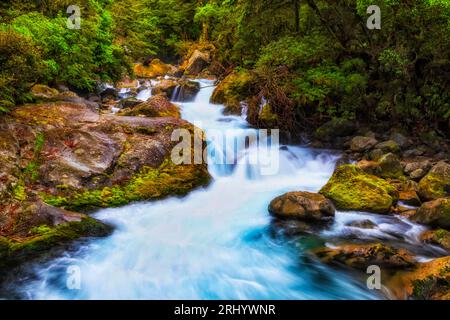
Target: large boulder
[[166, 87], [362, 144], [434, 213], [436, 184], [363, 256], [156, 106], [337, 127], [198, 61], [387, 166], [186, 91], [429, 281], [350, 188], [302, 206], [390, 166], [232, 90], [156, 68], [39, 228]]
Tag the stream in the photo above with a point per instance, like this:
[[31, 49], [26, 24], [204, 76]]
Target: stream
[[219, 242]]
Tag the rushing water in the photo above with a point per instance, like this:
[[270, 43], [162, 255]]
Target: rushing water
[[218, 242]]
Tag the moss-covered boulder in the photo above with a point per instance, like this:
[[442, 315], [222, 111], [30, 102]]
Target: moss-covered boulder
[[232, 90], [43, 92], [390, 166], [350, 188], [302, 206], [436, 184], [439, 237], [41, 227], [156, 106], [435, 213], [362, 256], [429, 281]]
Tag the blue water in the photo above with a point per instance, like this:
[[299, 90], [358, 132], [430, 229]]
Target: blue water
[[217, 243]]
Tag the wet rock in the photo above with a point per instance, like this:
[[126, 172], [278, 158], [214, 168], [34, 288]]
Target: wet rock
[[337, 127], [362, 144], [166, 87], [232, 90], [129, 103], [416, 168], [363, 256], [109, 94], [363, 224], [186, 91], [429, 281], [435, 184], [410, 197], [40, 228], [302, 206], [390, 166], [197, 63], [439, 237], [156, 106], [434, 213], [155, 69], [350, 188]]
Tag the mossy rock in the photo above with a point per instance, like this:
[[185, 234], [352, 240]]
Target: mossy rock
[[350, 188], [390, 166], [389, 146], [43, 238], [235, 88], [149, 184], [429, 281], [43, 92], [435, 213], [439, 237], [436, 184]]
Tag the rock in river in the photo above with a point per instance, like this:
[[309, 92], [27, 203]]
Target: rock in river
[[302, 206], [350, 188]]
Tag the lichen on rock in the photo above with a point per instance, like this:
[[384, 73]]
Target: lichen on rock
[[350, 188]]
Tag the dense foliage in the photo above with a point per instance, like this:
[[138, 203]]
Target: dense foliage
[[312, 59]]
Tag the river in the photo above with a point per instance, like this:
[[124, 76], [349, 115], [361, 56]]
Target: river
[[218, 242]]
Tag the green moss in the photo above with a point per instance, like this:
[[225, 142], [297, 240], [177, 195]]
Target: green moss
[[432, 186], [149, 183], [146, 130], [236, 87], [44, 238], [18, 191], [40, 230], [267, 115], [350, 188]]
